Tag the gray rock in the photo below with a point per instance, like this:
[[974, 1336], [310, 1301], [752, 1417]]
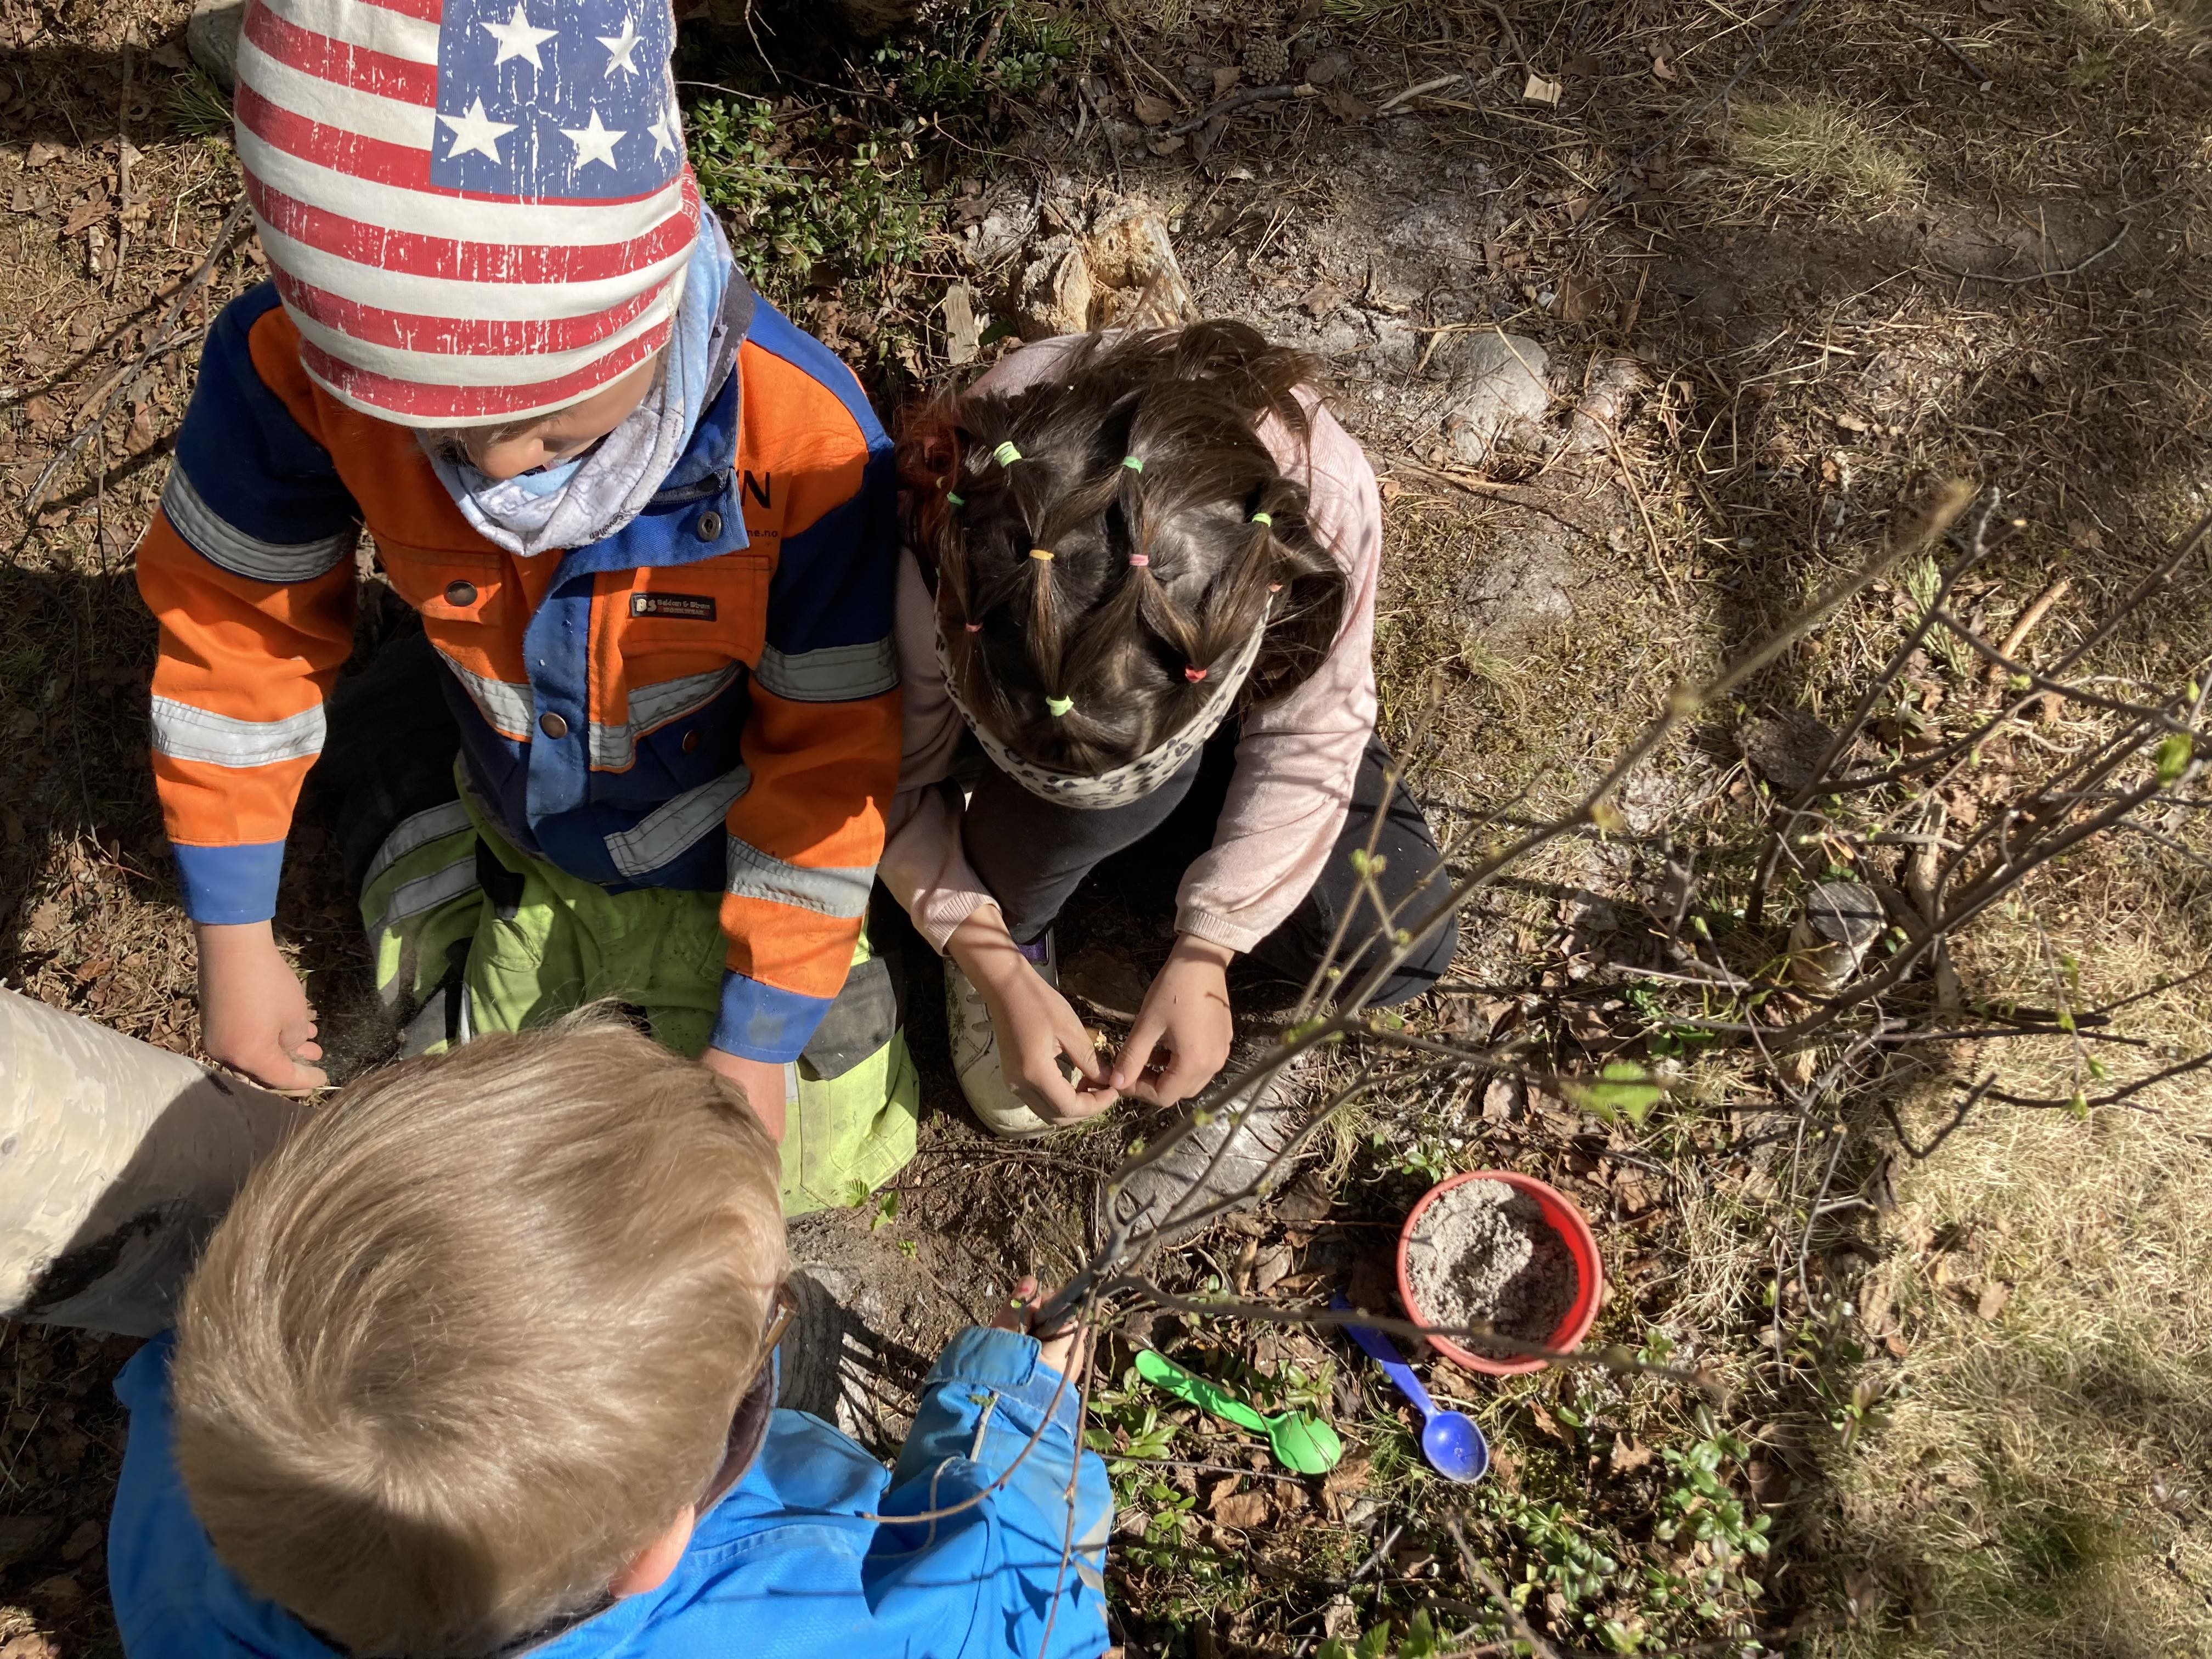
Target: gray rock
[[1498, 392], [211, 37]]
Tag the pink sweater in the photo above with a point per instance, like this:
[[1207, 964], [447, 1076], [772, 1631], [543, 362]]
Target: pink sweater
[[1295, 758]]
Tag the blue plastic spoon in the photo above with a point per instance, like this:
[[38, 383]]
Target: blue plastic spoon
[[1450, 1440]]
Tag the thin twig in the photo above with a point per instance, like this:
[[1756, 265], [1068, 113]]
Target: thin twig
[[1974, 71], [87, 430], [1240, 100]]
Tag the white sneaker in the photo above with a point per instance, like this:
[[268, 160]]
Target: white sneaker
[[975, 1054]]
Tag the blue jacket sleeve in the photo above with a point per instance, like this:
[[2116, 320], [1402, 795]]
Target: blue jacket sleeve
[[994, 1439]]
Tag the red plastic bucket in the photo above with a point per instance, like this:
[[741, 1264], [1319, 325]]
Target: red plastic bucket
[[1561, 1215]]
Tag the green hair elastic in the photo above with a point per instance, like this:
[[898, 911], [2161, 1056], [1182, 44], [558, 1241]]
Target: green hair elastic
[[1006, 454], [1057, 707], [1268, 519], [1135, 463], [956, 500]]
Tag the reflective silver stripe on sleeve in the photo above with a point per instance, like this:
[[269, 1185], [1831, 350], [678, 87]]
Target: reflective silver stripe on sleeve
[[505, 705], [412, 898], [674, 827], [184, 733], [843, 893], [414, 833], [614, 747], [222, 543], [836, 673]]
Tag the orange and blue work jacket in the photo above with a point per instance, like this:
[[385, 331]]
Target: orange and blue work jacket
[[705, 700]]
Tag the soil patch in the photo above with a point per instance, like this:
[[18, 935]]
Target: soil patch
[[1485, 1253]]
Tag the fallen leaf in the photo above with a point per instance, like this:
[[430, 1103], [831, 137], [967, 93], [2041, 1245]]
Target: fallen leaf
[[1167, 145], [1271, 1269], [86, 215], [84, 1541], [1326, 67], [1580, 298], [1344, 106], [2080, 533], [1239, 1511], [1628, 1455], [1540, 91], [1225, 79], [42, 153], [964, 329], [1306, 1199], [1850, 423], [1320, 300], [1663, 70], [1992, 1300], [1769, 1484], [1548, 1424], [1863, 1594], [1152, 112]]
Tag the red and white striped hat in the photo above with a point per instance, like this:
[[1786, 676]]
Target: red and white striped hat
[[478, 210]]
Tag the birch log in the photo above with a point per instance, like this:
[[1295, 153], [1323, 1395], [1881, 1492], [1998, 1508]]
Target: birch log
[[117, 1159]]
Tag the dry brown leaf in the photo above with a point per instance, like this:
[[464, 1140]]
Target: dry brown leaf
[[42, 153], [1225, 79], [1346, 106], [85, 216], [1152, 112], [1541, 91], [1663, 70], [1628, 1455], [1320, 300], [1239, 1511], [2080, 533], [1991, 1302]]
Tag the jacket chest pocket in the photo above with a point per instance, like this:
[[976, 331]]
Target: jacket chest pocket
[[687, 617], [453, 592]]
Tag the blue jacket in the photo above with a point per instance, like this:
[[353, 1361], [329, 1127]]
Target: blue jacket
[[789, 1564]]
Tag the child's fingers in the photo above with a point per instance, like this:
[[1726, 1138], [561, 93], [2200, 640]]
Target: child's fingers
[[1128, 1074]]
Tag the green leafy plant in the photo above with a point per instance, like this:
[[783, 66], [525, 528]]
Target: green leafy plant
[[1421, 1640]]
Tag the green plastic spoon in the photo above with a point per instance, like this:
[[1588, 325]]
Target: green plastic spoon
[[1299, 1440]]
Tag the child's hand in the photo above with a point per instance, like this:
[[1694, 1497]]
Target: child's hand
[[761, 1082], [1037, 1027], [1184, 1028], [1058, 1349], [254, 1015]]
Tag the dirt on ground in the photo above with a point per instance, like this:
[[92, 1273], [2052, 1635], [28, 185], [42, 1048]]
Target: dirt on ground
[[1657, 318]]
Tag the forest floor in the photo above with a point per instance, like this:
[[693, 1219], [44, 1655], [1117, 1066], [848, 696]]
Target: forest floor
[[1787, 265]]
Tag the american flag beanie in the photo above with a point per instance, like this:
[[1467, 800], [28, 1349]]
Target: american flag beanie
[[476, 211]]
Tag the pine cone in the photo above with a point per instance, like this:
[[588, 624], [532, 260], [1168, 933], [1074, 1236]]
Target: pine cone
[[1266, 62]]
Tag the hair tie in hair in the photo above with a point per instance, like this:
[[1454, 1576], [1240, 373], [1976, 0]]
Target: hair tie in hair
[[1135, 463], [1006, 454], [1058, 707], [973, 628], [1042, 553], [1193, 673], [1139, 561], [1268, 519], [955, 501], [1274, 588]]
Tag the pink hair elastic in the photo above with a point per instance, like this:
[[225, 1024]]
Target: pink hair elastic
[[1194, 674], [1139, 561], [974, 628]]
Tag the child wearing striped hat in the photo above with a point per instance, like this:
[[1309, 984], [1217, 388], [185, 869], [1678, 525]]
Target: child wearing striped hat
[[643, 746]]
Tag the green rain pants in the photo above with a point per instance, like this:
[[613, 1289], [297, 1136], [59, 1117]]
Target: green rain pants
[[482, 937]]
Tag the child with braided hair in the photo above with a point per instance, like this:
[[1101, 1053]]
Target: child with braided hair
[[1141, 581]]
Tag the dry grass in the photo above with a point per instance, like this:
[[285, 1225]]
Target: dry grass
[[1818, 145]]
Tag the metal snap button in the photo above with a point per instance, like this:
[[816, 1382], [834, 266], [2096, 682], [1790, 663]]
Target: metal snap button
[[691, 741], [553, 725], [458, 594], [710, 525]]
